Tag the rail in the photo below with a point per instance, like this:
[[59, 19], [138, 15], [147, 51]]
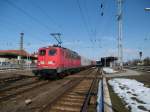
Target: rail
[[100, 99], [6, 94], [16, 67], [88, 96], [139, 68], [14, 78], [71, 84], [103, 100]]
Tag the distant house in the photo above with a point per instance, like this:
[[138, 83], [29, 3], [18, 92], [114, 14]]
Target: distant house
[[14, 56]]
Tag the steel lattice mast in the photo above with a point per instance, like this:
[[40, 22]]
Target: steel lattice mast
[[120, 36]]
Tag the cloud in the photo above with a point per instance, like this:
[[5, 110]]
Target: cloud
[[109, 52], [130, 51], [127, 53]]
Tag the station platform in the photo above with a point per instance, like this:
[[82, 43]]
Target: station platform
[[125, 72]]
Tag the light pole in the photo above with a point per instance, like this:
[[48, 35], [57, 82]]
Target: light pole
[[28, 58], [105, 61], [21, 50]]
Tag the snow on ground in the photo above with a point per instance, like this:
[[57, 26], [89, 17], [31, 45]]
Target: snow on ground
[[99, 97], [133, 93], [108, 70]]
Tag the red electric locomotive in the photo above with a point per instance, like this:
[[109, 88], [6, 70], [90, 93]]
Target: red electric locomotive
[[56, 60]]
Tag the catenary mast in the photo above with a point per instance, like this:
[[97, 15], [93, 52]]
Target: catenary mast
[[120, 36]]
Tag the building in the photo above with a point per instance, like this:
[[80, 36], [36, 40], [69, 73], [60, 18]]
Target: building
[[15, 56], [109, 61]]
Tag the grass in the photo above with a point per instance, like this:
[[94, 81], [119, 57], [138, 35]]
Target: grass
[[117, 104]]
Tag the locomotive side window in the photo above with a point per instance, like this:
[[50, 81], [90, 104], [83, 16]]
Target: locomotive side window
[[42, 52], [67, 55], [52, 52]]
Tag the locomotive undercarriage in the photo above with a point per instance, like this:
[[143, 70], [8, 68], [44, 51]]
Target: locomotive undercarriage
[[55, 73]]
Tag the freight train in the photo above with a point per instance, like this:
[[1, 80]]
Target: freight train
[[56, 61]]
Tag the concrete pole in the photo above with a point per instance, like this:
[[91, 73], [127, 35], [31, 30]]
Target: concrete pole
[[21, 50]]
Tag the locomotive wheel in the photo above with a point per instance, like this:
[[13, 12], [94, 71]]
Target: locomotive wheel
[[60, 75]]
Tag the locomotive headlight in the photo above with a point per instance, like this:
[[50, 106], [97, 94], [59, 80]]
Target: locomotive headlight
[[38, 62], [42, 62], [51, 62]]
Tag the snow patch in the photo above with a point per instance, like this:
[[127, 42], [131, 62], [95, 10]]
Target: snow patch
[[109, 70], [99, 97], [135, 95]]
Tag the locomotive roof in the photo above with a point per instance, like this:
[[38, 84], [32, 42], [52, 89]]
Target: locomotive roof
[[56, 46]]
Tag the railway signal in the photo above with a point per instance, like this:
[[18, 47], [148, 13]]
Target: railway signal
[[147, 9], [140, 54]]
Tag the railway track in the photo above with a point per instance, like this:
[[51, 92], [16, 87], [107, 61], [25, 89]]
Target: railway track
[[19, 87], [11, 82], [13, 79], [77, 97], [18, 84], [9, 93], [42, 95], [140, 68]]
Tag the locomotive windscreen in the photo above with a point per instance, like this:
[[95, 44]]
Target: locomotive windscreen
[[52, 52], [42, 52]]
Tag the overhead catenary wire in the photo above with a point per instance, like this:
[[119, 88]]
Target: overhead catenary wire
[[91, 31], [91, 28], [32, 17], [17, 26], [35, 4], [105, 16], [83, 18], [27, 14]]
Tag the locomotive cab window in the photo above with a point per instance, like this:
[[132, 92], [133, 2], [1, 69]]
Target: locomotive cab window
[[42, 52], [52, 52]]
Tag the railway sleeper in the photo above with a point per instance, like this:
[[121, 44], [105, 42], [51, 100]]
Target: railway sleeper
[[74, 96], [73, 100], [67, 108], [69, 103]]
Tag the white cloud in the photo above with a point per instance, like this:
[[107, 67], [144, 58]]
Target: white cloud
[[130, 51]]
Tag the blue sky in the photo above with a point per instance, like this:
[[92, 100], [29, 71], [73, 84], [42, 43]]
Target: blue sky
[[81, 24]]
